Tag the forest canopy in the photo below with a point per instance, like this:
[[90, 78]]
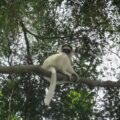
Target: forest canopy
[[32, 30]]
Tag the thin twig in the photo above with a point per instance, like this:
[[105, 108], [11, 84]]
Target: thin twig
[[112, 52]]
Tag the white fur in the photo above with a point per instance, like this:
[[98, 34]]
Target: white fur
[[52, 87], [57, 62]]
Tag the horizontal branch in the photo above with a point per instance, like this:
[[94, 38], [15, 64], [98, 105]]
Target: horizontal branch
[[23, 69]]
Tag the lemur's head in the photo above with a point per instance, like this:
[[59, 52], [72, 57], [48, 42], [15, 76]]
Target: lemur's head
[[67, 49]]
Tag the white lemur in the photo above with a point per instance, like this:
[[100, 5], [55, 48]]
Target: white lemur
[[58, 62]]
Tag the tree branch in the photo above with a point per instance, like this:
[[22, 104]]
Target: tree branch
[[25, 30], [38, 70], [42, 37], [29, 58]]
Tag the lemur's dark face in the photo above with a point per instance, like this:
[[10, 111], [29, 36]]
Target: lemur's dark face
[[66, 49]]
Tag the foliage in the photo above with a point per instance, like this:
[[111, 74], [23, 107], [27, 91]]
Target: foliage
[[112, 101], [31, 30], [77, 104]]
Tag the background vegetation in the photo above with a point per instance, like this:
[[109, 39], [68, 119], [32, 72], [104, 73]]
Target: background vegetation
[[31, 30]]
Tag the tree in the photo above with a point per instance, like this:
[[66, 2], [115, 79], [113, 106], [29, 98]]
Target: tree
[[31, 31]]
